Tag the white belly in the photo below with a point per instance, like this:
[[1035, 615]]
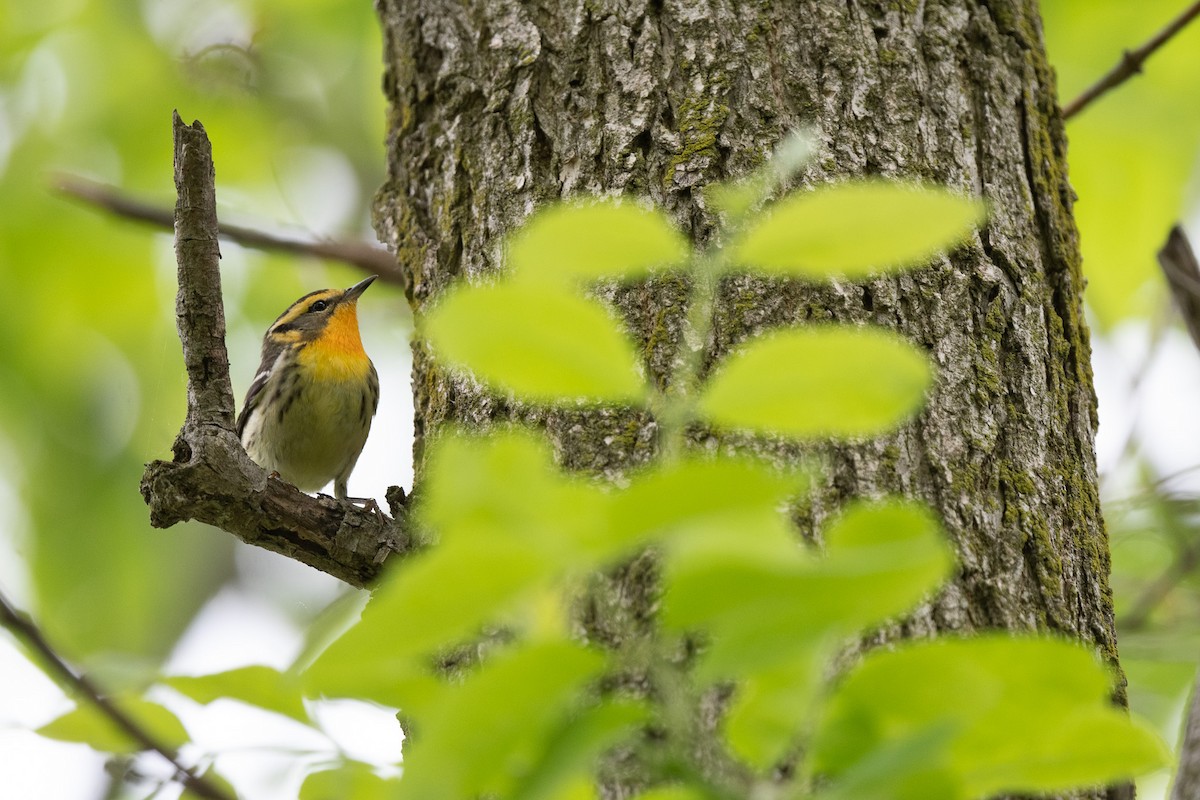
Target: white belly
[[317, 438]]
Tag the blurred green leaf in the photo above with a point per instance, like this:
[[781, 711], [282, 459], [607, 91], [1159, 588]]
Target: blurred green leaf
[[523, 693], [855, 230], [568, 758], [509, 524], [769, 708], [539, 342], [431, 600], [87, 725], [737, 198], [506, 487], [907, 769], [329, 624], [260, 686], [352, 780], [582, 787], [673, 793], [817, 382], [766, 607], [598, 239], [675, 499], [1039, 716]]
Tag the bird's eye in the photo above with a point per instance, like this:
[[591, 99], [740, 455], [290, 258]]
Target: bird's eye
[[320, 305]]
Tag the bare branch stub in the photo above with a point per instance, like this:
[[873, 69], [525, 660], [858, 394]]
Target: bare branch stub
[[211, 479], [199, 312]]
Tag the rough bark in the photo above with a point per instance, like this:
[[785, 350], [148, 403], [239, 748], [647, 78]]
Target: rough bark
[[497, 107]]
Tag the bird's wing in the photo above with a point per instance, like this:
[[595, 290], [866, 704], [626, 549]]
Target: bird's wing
[[270, 357]]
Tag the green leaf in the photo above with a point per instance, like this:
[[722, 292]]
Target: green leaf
[[675, 500], [1039, 717], [523, 693], [737, 198], [581, 787], [539, 342], [769, 708], [329, 624], [1093, 747], [832, 381], [573, 748], [856, 230], [673, 793], [905, 769], [353, 780], [88, 725], [768, 607], [509, 524], [600, 239], [259, 686], [506, 487], [431, 600]]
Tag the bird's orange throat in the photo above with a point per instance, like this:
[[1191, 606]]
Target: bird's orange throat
[[337, 354]]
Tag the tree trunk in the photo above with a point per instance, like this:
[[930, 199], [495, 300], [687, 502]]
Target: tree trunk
[[498, 107]]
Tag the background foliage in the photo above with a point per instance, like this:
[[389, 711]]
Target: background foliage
[[91, 385]]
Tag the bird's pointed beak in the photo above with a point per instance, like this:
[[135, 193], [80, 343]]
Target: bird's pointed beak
[[354, 291]]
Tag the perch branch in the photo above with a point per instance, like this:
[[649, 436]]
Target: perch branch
[[371, 258], [22, 627], [1130, 63], [211, 479]]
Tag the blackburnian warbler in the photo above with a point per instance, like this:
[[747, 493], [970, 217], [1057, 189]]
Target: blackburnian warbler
[[309, 409]]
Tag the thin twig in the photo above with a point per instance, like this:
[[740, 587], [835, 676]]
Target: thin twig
[[1130, 63], [210, 478], [371, 258], [28, 632]]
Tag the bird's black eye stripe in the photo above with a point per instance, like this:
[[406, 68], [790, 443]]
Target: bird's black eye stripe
[[319, 305]]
